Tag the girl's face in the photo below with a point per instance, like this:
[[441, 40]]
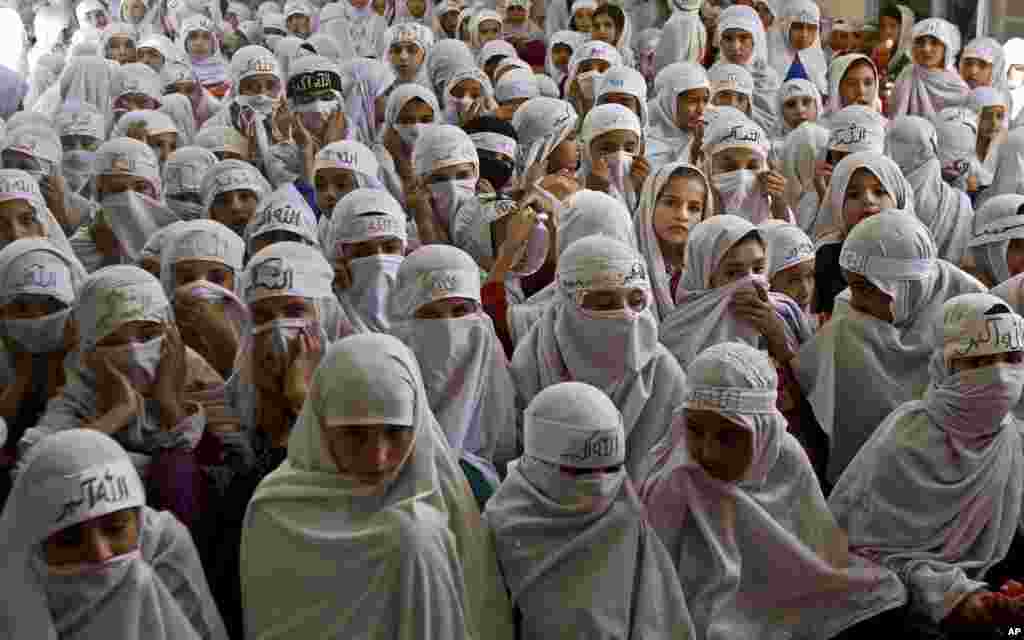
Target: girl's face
[[94, 541], [976, 72], [735, 99], [859, 85], [603, 28], [560, 55], [136, 9], [865, 197], [489, 30], [406, 58], [1015, 256], [584, 20], [679, 207], [390, 246], [234, 209], [121, 49], [18, 220], [515, 15], [736, 159], [449, 21], [867, 298], [743, 259], [991, 121], [416, 7], [888, 30], [415, 111], [797, 282], [929, 52], [447, 309], [723, 449], [802, 36], [613, 142], [738, 46], [200, 44], [468, 88], [299, 25], [615, 299], [332, 184], [370, 453], [798, 110], [690, 106], [461, 171], [564, 157], [189, 271], [260, 84], [841, 42]]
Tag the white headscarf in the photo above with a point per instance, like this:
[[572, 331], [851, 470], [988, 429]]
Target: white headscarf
[[541, 124], [447, 56], [284, 209], [416, 534], [18, 185], [358, 29], [812, 58], [836, 74], [925, 92], [732, 541], [603, 119], [619, 354], [887, 362], [1009, 175], [683, 39], [367, 214], [553, 530], [465, 372], [183, 174], [87, 79], [766, 81], [365, 80], [666, 142], [830, 224], [935, 493], [797, 88], [409, 32], [455, 107], [571, 39], [157, 590], [232, 175], [648, 243], [798, 156], [912, 143], [996, 223]]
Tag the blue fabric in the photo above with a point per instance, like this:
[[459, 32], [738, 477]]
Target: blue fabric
[[309, 193], [796, 70]]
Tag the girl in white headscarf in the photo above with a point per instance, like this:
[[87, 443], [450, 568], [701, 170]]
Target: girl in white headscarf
[[14, 41], [366, 242], [683, 39], [964, 471], [993, 109], [155, 128], [1009, 173], [677, 111], [283, 215], [36, 149], [567, 520], [445, 19], [468, 93], [798, 158], [611, 24], [447, 169], [742, 42], [484, 26], [447, 56], [799, 102], [674, 199], [146, 18], [90, 558], [998, 239], [546, 129], [24, 214], [410, 109], [983, 64], [588, 62], [612, 153], [931, 83], [117, 43], [730, 488], [601, 331], [406, 46], [355, 27], [368, 451], [199, 37], [862, 185], [39, 285], [799, 54], [340, 168], [878, 339], [561, 46], [437, 313], [947, 212], [231, 190]]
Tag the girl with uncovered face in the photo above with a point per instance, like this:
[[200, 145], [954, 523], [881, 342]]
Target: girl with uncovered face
[[964, 416], [930, 84], [853, 80], [676, 114], [742, 39], [199, 38], [91, 556], [799, 53], [724, 465], [799, 102], [402, 518], [993, 111], [877, 342]]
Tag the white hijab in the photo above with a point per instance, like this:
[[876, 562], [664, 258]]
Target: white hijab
[[913, 144], [1009, 175], [731, 542], [812, 58], [666, 141], [798, 156], [996, 224], [684, 38], [925, 92], [935, 493], [766, 80], [417, 533]]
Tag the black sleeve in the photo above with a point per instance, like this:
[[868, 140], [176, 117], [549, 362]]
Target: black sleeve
[[828, 278]]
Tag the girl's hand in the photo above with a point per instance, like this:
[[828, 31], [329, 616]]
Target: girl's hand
[[638, 172], [755, 307], [171, 375], [116, 401], [600, 177], [304, 354], [773, 182]]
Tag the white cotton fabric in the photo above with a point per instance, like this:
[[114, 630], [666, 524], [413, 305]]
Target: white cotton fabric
[[912, 143], [887, 362], [830, 223], [957, 143], [441, 146], [541, 125], [837, 72], [34, 266], [856, 128], [812, 58], [416, 535], [590, 50], [184, 171], [996, 224], [516, 85], [627, 81], [766, 81], [619, 355], [731, 542], [205, 240], [445, 57], [683, 39], [925, 92], [284, 209], [666, 141], [739, 192], [797, 88], [18, 185], [465, 371], [1009, 174], [152, 122], [549, 549], [232, 175], [989, 50], [179, 108], [787, 246], [454, 107], [647, 240], [604, 119], [158, 591], [288, 269], [938, 503], [800, 151]]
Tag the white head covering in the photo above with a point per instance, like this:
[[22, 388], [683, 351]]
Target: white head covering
[[624, 80], [481, 16], [830, 224], [18, 185], [714, 528], [408, 32], [996, 223], [541, 124], [590, 50], [179, 108], [604, 119], [912, 143], [495, 48], [724, 76], [37, 142], [447, 56], [183, 174], [1009, 175], [136, 78], [34, 266], [787, 246], [856, 128], [153, 122], [353, 156], [73, 477], [570, 39], [516, 84], [884, 361], [200, 240], [799, 154], [455, 107], [783, 56], [666, 142], [87, 79], [683, 39], [288, 269], [945, 510], [797, 88], [465, 371], [925, 92], [647, 239], [441, 146], [284, 209], [232, 175], [389, 535], [990, 51], [552, 529], [837, 72], [766, 80]]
